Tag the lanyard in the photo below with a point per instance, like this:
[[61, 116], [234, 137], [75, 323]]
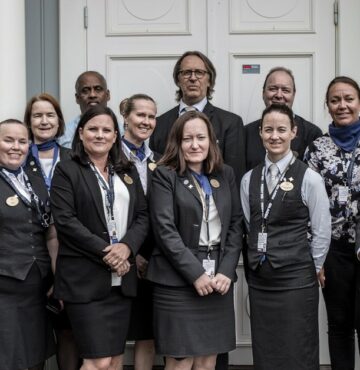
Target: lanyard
[[35, 202], [265, 213], [205, 201], [350, 168], [35, 153], [108, 189]]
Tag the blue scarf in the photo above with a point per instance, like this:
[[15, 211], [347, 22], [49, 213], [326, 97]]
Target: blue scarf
[[345, 137], [46, 146], [203, 182], [138, 151]]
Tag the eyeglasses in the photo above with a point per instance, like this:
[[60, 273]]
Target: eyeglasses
[[187, 73]]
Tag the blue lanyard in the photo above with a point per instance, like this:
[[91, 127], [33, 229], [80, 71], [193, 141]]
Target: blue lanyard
[[35, 153], [109, 189], [35, 203]]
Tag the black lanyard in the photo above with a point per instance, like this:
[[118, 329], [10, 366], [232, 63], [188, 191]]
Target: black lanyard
[[350, 168], [35, 202], [265, 212]]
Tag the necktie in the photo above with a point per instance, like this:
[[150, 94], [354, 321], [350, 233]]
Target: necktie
[[187, 109], [272, 181]]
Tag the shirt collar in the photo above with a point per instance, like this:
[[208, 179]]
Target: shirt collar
[[129, 154], [199, 106], [281, 164]]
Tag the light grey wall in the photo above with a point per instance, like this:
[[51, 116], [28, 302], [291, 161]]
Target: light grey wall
[[42, 47]]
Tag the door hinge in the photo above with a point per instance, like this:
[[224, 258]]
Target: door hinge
[[86, 17], [336, 12]]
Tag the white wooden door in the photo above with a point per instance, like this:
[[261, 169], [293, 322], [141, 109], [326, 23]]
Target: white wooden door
[[135, 44]]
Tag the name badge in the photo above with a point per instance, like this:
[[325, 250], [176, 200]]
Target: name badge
[[115, 279], [209, 266], [262, 242], [111, 225], [343, 194]]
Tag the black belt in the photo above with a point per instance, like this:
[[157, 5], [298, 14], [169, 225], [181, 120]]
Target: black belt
[[204, 248]]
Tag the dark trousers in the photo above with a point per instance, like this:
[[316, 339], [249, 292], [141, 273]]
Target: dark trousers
[[342, 298], [222, 361]]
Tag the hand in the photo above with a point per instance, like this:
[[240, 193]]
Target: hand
[[221, 283], [321, 277], [123, 269], [116, 255], [203, 285], [141, 264]]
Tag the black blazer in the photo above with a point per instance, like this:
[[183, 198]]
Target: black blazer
[[307, 132], [32, 166], [176, 214], [229, 131], [81, 275]]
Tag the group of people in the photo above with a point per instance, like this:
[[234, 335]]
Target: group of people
[[116, 233]]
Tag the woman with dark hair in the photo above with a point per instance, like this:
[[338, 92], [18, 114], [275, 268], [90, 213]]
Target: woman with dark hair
[[196, 219], [45, 122], [139, 112], [27, 251], [280, 198], [336, 156], [101, 218]]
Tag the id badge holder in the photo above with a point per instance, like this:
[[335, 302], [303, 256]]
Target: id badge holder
[[209, 266], [343, 194], [111, 225], [262, 242]]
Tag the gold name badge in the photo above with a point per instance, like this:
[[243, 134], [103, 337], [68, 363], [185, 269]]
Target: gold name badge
[[286, 186], [12, 201], [214, 183], [128, 179], [152, 166]]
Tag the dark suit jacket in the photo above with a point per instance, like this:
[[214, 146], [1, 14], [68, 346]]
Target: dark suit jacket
[[23, 239], [229, 131], [307, 132], [81, 275], [32, 166], [176, 216]]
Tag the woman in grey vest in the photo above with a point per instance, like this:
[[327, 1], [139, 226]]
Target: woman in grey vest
[[280, 197]]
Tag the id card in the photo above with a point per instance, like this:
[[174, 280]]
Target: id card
[[343, 194], [115, 279], [262, 241], [111, 225], [209, 266]]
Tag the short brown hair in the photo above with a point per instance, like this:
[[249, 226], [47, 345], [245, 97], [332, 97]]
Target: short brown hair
[[173, 156], [49, 98]]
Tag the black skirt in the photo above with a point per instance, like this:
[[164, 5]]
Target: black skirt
[[26, 337], [188, 325], [284, 328], [100, 327], [141, 322]]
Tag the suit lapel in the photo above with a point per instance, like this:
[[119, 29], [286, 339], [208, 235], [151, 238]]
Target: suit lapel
[[128, 179], [217, 187], [94, 190], [188, 182]]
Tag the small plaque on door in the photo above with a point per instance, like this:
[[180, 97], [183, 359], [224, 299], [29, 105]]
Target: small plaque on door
[[251, 68]]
